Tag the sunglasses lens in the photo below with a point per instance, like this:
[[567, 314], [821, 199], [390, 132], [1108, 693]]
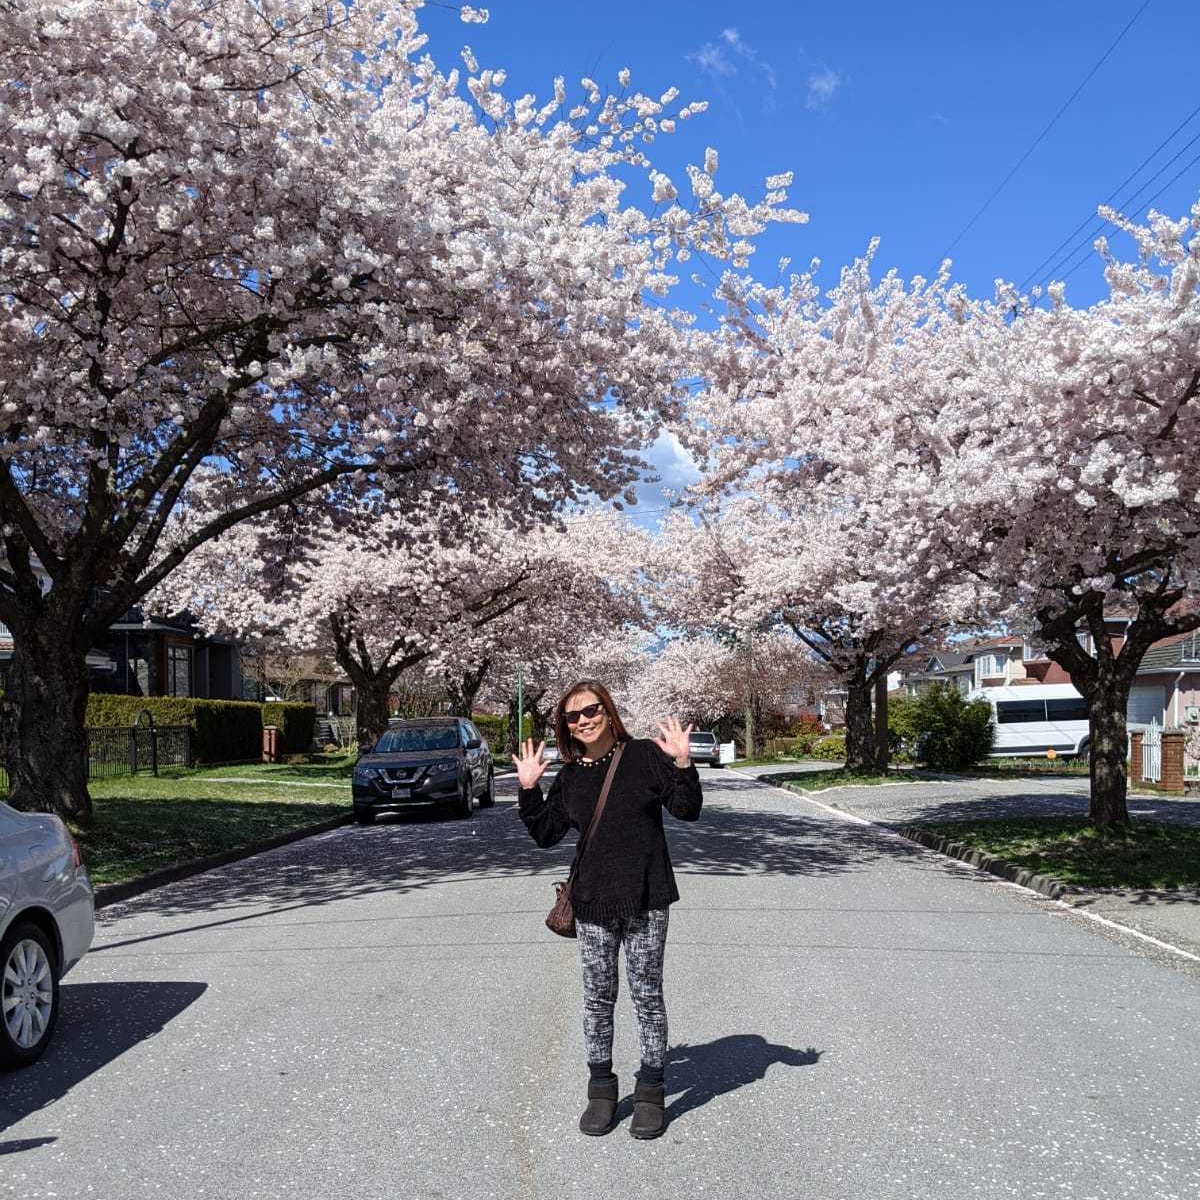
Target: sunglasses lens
[[592, 710]]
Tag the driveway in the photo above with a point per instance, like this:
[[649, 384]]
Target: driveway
[[380, 1013]]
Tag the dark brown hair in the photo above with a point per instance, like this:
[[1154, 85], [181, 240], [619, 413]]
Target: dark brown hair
[[568, 747]]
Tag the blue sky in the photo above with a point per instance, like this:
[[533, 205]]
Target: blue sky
[[899, 119]]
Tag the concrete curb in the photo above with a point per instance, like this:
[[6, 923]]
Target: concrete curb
[[1055, 889], [113, 893]]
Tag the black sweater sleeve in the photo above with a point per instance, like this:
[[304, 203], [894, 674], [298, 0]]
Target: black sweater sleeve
[[545, 818], [677, 787]]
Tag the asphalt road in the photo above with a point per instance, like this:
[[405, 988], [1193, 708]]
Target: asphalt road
[[380, 1013]]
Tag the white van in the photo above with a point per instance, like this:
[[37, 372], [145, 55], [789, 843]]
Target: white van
[[1035, 718]]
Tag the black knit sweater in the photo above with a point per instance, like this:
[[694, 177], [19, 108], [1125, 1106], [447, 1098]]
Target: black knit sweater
[[625, 868]]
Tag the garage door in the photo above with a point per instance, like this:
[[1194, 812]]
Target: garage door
[[1146, 705]]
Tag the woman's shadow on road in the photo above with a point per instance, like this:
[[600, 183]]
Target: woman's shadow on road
[[697, 1074]]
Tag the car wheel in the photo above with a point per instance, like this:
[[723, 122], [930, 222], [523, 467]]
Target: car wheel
[[28, 994], [466, 804], [364, 816], [489, 793]]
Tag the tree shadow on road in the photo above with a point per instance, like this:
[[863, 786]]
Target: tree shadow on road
[[419, 852], [697, 1074], [99, 1022], [1004, 806]]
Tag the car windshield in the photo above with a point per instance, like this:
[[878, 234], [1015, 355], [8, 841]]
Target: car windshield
[[702, 737], [436, 737]]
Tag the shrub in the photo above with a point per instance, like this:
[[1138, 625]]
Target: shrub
[[903, 727], [830, 748], [222, 730], [295, 723], [494, 730], [952, 732]]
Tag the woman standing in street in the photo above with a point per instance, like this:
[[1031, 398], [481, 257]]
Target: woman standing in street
[[622, 882]]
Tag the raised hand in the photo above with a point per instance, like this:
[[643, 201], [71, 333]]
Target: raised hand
[[530, 767], [673, 739]]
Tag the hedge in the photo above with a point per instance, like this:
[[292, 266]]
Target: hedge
[[494, 730], [222, 730], [295, 723]]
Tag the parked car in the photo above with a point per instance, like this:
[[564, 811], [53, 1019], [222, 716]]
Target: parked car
[[426, 763], [704, 747], [550, 752], [47, 920]]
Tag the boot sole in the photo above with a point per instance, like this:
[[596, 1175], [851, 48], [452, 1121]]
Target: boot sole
[[598, 1132]]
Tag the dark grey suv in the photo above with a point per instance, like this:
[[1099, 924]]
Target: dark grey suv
[[432, 762]]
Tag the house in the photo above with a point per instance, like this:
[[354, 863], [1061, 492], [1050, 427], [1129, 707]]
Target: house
[[299, 678], [142, 655], [1166, 688], [970, 666], [159, 656]]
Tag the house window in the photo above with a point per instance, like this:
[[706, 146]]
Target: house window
[[179, 669]]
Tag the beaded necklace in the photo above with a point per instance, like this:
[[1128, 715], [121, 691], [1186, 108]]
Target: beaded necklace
[[595, 762]]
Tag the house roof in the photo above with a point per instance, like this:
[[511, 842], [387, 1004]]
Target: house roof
[[1172, 652]]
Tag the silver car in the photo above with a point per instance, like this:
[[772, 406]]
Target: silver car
[[703, 747], [46, 924]]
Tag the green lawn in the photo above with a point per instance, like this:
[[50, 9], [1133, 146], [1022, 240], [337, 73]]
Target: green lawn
[[146, 822], [1144, 855]]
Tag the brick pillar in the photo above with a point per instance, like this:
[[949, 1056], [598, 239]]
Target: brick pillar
[[1135, 756], [270, 744], [1172, 761]]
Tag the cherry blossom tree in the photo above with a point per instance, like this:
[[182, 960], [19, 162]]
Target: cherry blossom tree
[[385, 593], [1045, 455], [274, 239], [712, 681], [853, 594]]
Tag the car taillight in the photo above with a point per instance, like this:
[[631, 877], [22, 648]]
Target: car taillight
[[76, 855]]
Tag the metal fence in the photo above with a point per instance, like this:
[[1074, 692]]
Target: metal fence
[[1152, 752], [116, 750]]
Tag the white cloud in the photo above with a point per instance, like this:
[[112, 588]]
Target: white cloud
[[712, 60], [823, 86], [713, 57], [676, 470]]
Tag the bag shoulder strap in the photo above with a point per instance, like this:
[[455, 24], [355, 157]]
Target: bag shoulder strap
[[599, 809]]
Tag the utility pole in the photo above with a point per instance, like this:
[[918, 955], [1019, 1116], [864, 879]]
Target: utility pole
[[520, 704]]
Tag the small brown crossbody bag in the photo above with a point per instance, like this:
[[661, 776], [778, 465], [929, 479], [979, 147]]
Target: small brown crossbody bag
[[562, 916]]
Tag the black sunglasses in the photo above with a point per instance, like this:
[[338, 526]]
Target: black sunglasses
[[591, 710]]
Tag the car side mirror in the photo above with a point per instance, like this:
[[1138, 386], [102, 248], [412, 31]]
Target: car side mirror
[[474, 743]]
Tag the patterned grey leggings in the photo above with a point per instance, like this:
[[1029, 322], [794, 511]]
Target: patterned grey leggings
[[644, 937]]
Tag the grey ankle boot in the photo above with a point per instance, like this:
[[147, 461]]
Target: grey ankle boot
[[648, 1102], [597, 1118]]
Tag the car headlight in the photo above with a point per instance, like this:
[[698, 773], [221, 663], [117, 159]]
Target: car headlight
[[444, 766], [365, 774]]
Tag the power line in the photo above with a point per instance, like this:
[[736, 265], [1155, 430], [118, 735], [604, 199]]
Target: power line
[[1038, 140], [1036, 273], [1144, 208], [1126, 205]]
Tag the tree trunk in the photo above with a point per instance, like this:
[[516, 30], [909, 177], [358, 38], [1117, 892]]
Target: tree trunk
[[1107, 705], [1104, 682], [750, 731], [860, 737], [882, 743], [372, 708], [463, 688], [43, 713]]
